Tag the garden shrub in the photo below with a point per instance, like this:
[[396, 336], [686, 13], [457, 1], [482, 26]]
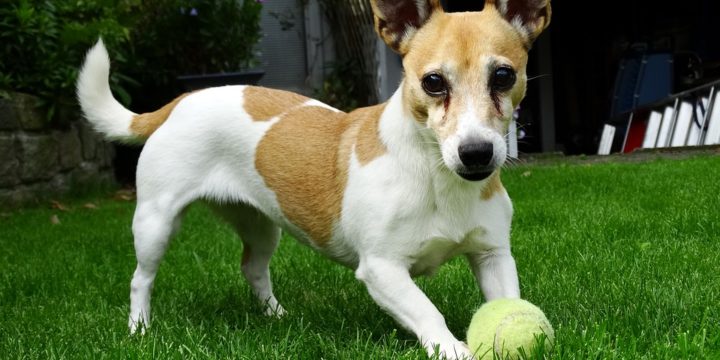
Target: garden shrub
[[44, 42]]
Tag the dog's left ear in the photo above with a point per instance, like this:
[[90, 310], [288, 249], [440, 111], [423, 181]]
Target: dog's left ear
[[529, 17], [397, 21]]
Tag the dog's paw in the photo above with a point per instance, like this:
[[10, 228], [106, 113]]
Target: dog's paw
[[136, 327], [456, 350], [277, 312]]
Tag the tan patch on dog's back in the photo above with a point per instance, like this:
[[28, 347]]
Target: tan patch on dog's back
[[304, 160], [298, 158], [264, 104], [493, 186], [367, 143], [144, 125]]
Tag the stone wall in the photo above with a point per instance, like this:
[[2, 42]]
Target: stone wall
[[38, 161]]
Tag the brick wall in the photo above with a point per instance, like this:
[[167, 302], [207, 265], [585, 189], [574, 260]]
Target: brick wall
[[38, 161]]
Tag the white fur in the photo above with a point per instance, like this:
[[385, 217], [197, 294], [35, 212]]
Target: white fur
[[403, 214], [501, 5], [99, 106], [423, 9], [520, 26]]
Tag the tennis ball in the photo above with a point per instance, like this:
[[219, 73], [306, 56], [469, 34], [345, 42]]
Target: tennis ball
[[506, 325]]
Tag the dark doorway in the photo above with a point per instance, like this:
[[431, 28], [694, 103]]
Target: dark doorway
[[589, 44]]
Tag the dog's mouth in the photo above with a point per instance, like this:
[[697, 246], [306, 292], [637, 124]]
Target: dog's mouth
[[476, 175]]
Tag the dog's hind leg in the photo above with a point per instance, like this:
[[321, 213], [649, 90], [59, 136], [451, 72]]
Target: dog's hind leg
[[260, 237], [156, 219]]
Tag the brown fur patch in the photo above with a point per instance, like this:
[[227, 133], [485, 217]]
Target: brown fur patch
[[368, 145], [144, 125], [298, 158], [418, 109], [264, 104], [493, 186], [304, 159]]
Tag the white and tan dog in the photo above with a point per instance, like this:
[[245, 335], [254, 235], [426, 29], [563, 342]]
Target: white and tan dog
[[392, 191]]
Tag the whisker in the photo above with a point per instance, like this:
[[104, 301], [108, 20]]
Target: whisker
[[537, 77]]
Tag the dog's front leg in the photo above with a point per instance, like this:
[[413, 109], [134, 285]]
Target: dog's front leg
[[390, 285], [496, 273]]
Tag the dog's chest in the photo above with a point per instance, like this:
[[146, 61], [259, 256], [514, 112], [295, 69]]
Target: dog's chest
[[442, 235], [421, 222], [433, 252], [421, 233]]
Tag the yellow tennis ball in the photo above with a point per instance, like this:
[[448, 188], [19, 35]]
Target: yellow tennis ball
[[504, 326]]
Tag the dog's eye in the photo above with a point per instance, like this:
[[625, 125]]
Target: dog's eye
[[434, 85], [503, 79]]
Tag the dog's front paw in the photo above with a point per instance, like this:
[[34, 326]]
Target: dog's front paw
[[451, 351], [277, 311], [136, 326]]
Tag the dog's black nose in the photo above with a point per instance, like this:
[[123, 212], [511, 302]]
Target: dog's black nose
[[476, 154]]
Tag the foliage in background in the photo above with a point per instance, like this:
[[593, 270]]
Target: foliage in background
[[44, 42], [344, 86], [350, 83], [181, 37]]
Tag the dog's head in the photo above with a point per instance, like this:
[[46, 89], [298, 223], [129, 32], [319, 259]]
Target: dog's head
[[464, 72]]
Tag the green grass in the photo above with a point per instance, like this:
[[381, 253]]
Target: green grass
[[623, 258]]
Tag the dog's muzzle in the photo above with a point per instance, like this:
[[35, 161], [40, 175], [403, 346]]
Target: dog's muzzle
[[475, 176], [477, 160]]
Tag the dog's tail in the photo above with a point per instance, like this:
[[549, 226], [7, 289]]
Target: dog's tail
[[103, 111]]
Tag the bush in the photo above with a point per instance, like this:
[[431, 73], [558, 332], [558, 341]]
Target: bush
[[182, 37], [344, 86], [44, 43]]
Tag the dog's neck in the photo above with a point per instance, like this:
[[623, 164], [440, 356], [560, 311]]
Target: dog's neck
[[402, 133]]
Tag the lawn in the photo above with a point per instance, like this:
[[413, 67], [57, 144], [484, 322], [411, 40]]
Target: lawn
[[623, 258]]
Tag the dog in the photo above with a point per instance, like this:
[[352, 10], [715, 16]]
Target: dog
[[392, 191]]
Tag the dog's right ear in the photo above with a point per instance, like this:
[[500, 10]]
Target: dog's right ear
[[529, 17], [396, 21]]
